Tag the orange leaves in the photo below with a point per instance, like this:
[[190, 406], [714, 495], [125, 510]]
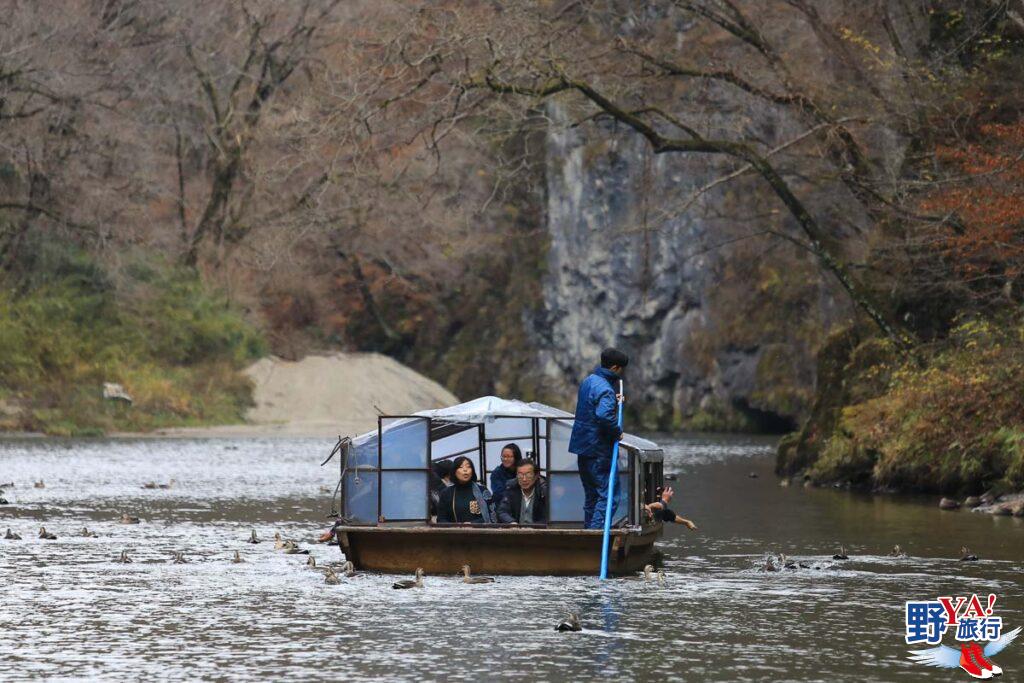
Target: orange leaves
[[988, 200]]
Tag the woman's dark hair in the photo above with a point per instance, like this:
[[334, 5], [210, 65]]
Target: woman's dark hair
[[443, 468], [518, 454], [457, 463]]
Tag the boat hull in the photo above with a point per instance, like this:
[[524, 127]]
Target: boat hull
[[511, 551]]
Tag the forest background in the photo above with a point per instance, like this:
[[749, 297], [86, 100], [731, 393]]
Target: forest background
[[798, 216]]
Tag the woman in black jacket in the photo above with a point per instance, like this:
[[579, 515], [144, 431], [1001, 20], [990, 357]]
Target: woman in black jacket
[[465, 501]]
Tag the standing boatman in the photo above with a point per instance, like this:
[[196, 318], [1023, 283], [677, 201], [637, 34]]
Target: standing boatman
[[594, 433]]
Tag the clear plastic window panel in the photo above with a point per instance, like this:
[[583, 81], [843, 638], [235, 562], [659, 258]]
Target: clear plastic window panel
[[404, 495], [361, 496], [404, 442], [364, 455], [560, 457], [509, 428], [566, 494], [456, 443]]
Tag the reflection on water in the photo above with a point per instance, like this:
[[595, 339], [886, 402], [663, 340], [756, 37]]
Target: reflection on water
[[70, 611]]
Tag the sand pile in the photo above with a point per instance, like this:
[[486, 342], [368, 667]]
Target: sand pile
[[333, 395]]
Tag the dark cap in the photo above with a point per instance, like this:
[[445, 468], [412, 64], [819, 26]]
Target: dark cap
[[610, 357]]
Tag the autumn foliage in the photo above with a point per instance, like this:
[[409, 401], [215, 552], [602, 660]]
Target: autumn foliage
[[984, 233]]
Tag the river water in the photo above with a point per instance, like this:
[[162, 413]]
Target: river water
[[68, 611]]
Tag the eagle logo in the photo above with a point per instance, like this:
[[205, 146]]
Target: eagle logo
[[970, 657]]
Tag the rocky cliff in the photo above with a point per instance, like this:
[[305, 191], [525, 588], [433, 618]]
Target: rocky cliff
[[680, 290]]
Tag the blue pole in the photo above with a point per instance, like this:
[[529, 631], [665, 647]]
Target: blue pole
[[613, 475]]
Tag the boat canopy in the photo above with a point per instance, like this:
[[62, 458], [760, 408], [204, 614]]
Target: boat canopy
[[490, 408], [386, 473]]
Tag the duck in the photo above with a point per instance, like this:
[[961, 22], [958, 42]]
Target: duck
[[790, 563], [466, 578], [39, 484], [325, 489], [278, 543], [179, 558], [648, 571], [3, 501], [967, 556], [311, 563], [88, 534], [331, 578], [897, 551], [661, 578], [254, 540], [237, 559], [768, 565], [570, 623], [350, 569], [124, 559], [8, 485], [128, 519], [149, 485], [168, 485], [840, 553], [11, 536], [291, 548], [410, 583], [43, 533]]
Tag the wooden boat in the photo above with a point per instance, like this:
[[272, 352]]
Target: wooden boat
[[495, 550], [383, 509]]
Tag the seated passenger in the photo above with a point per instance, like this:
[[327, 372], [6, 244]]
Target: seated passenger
[[440, 479], [465, 500], [505, 472], [527, 501]]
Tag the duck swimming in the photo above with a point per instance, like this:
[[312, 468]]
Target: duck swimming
[[967, 556], [290, 548], [410, 583], [88, 534], [124, 559], [11, 536], [897, 551], [661, 578], [350, 569], [179, 558], [43, 533], [466, 578], [570, 623], [840, 553], [254, 540], [39, 484], [128, 519], [237, 558], [278, 543], [331, 578]]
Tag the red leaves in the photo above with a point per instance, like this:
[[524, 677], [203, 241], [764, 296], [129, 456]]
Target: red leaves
[[988, 200]]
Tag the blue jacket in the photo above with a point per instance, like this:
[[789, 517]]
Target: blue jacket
[[500, 478], [596, 428]]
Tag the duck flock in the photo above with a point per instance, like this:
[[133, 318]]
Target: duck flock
[[781, 562]]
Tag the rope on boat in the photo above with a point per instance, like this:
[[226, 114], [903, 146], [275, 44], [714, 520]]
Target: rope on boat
[[342, 449]]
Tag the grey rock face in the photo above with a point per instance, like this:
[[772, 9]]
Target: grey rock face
[[625, 271]]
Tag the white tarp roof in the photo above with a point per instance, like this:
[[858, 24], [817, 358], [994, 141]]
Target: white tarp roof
[[488, 408]]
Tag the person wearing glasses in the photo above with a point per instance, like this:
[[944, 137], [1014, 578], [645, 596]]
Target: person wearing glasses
[[526, 501]]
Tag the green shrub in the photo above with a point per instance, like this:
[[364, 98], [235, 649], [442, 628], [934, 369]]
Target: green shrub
[[175, 346]]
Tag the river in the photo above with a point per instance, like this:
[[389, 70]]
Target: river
[[69, 611]]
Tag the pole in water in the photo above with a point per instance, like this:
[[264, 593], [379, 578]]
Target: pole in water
[[613, 475]]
